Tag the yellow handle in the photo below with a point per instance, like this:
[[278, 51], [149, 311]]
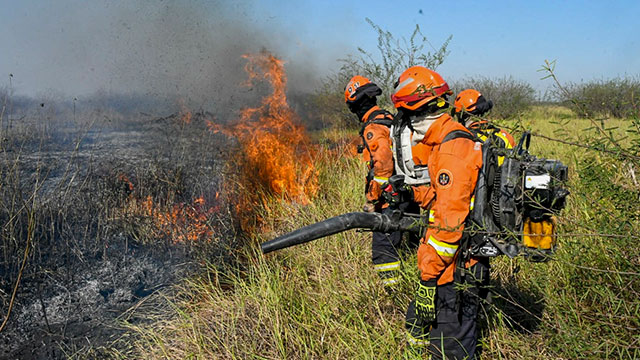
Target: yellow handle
[[540, 235]]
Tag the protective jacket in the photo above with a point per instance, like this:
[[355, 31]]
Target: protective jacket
[[453, 167], [377, 150]]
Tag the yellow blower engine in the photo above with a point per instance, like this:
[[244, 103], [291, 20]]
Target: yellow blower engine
[[516, 203]]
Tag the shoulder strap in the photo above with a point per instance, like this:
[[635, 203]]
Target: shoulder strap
[[386, 121], [383, 121], [456, 134], [365, 145]]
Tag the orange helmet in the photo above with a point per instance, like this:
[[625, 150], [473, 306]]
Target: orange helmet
[[358, 87], [417, 86], [473, 102]]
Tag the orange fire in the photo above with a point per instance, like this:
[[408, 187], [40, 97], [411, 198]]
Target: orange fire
[[275, 151], [181, 222], [124, 179], [274, 156]]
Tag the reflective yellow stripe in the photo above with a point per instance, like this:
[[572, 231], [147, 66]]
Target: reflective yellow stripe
[[432, 216], [502, 136], [416, 342], [443, 248], [387, 266], [380, 179], [507, 145], [472, 203], [390, 281]]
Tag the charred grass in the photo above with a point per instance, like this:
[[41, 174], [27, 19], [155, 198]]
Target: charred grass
[[95, 217]]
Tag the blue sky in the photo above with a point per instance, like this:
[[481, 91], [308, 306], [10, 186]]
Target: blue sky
[[74, 46], [588, 39]]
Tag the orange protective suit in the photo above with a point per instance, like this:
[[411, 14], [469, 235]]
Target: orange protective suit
[[453, 168], [377, 152]]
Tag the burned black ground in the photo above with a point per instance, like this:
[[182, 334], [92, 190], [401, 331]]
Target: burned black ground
[[63, 188]]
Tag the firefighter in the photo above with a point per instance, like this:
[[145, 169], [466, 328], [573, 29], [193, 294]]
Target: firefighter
[[470, 105], [427, 138], [360, 94]]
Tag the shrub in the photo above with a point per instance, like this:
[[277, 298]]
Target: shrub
[[510, 96], [618, 97], [394, 56]]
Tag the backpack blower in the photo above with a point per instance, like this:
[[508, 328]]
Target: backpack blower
[[514, 208]]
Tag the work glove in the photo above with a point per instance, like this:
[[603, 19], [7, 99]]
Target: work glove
[[396, 191], [391, 196], [373, 191], [369, 207], [426, 301]]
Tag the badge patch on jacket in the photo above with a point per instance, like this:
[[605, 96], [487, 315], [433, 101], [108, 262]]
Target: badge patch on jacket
[[444, 178]]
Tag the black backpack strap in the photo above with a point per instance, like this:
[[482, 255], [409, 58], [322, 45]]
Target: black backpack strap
[[361, 148], [456, 134], [364, 125], [386, 121]]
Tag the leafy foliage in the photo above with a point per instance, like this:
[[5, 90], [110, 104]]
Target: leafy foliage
[[511, 97], [618, 97], [601, 135], [393, 56]]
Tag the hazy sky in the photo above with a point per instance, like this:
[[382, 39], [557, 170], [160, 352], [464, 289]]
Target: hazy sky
[[76, 47]]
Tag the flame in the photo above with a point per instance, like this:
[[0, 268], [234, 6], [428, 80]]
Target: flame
[[273, 156], [185, 114], [124, 179], [275, 151], [180, 222]]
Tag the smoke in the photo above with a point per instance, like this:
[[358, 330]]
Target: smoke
[[160, 49], [192, 51]]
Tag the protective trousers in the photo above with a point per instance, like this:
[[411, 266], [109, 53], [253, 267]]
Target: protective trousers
[[454, 334], [384, 249], [384, 253]]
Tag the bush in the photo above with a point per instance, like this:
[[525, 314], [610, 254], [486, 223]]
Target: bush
[[511, 97], [327, 104], [618, 97], [394, 56]]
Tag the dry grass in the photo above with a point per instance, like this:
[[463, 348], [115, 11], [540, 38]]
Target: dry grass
[[323, 299]]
